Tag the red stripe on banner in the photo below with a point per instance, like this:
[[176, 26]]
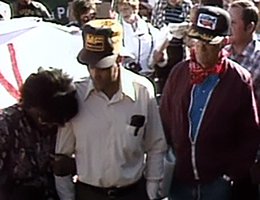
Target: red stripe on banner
[[16, 71], [5, 83], [9, 87]]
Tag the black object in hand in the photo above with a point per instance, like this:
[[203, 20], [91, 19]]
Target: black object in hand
[[137, 121], [133, 66]]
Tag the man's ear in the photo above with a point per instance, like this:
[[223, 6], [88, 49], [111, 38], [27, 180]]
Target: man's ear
[[119, 60], [251, 27], [224, 42]]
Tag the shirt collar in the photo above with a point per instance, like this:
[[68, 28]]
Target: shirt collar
[[90, 88], [126, 86], [248, 50]]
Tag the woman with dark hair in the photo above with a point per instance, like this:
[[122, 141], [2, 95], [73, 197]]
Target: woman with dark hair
[[28, 135]]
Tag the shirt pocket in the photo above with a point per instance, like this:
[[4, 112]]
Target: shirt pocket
[[133, 138]]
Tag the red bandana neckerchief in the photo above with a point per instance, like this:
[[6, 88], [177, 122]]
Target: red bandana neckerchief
[[199, 74]]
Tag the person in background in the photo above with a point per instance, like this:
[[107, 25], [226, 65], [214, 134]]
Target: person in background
[[28, 135], [29, 8], [141, 39], [244, 48], [117, 137], [170, 11], [257, 4], [164, 13], [209, 114], [83, 11], [145, 10], [5, 11]]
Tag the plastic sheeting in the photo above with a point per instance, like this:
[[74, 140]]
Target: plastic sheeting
[[29, 43]]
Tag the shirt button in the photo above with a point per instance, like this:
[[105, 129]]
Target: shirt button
[[201, 109], [203, 91]]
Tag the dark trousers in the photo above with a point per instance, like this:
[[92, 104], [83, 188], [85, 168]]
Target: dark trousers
[[21, 192], [25, 193], [134, 192], [244, 190], [218, 189]]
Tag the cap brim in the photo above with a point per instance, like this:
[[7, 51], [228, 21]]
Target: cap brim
[[94, 61], [211, 39], [106, 62], [82, 57]]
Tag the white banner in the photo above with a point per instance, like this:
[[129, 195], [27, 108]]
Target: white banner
[[29, 43]]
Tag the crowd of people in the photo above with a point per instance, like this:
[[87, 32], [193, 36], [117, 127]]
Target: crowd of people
[[169, 74]]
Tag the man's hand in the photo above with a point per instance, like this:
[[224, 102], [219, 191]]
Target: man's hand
[[158, 56]]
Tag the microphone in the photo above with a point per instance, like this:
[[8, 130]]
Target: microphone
[[137, 121]]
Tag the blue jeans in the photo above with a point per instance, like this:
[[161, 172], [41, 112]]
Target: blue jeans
[[220, 189]]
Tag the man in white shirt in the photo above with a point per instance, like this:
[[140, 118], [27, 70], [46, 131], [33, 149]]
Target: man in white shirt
[[141, 39], [117, 136]]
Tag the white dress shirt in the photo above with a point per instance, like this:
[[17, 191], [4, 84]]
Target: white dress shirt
[[107, 152]]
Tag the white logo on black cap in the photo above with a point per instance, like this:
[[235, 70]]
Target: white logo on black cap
[[207, 21]]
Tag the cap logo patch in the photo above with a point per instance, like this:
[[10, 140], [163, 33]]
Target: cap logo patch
[[95, 43], [207, 21], [107, 23]]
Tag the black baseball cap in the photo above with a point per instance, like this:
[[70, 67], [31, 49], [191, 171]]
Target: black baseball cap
[[212, 24], [102, 43]]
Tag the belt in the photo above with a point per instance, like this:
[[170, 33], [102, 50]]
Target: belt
[[111, 192]]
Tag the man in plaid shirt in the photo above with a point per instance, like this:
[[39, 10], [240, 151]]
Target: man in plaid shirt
[[244, 47]]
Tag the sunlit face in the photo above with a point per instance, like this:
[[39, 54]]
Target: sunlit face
[[239, 32], [206, 54], [104, 79], [126, 11]]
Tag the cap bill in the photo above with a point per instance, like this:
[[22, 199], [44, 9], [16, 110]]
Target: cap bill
[[211, 39], [106, 62], [86, 58]]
